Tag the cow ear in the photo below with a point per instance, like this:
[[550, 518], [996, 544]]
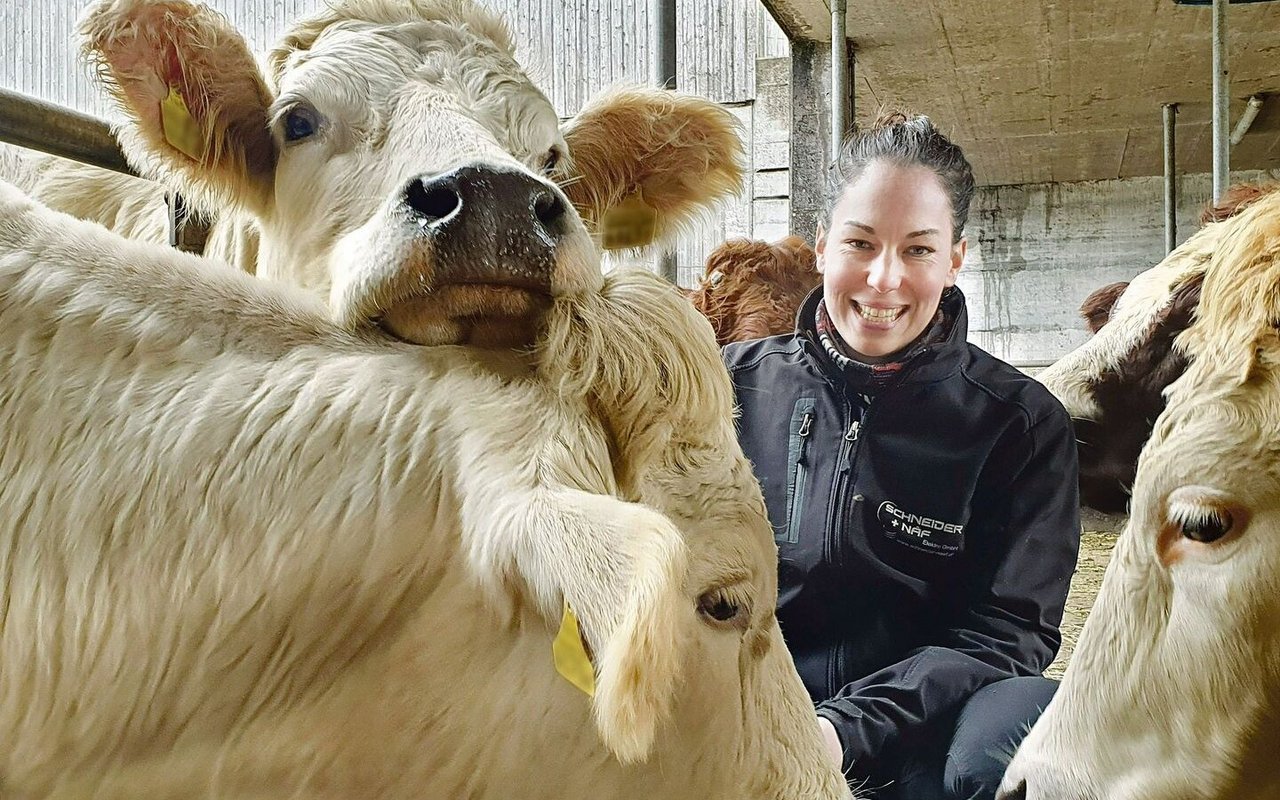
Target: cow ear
[[671, 155], [195, 100], [618, 567]]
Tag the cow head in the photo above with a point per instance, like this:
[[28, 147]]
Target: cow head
[[669, 420], [397, 158], [753, 289], [1113, 385], [1174, 688]]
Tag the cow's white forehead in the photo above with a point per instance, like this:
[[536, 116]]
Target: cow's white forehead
[[360, 57]]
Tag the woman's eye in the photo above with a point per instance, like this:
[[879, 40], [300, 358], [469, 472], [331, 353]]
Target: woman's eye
[[920, 250], [859, 244], [719, 606], [299, 124]]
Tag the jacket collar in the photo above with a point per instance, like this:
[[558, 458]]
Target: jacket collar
[[922, 363]]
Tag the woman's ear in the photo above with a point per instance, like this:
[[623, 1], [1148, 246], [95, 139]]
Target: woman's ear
[[957, 259], [820, 246]]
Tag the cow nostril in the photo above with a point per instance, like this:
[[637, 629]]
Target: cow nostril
[[433, 201], [548, 208]]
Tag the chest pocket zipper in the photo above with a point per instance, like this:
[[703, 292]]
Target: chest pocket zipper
[[797, 467]]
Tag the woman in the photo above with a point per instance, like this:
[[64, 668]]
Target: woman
[[923, 492]]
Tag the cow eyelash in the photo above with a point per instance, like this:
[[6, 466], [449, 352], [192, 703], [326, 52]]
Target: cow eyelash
[[551, 161], [723, 607], [1200, 523]]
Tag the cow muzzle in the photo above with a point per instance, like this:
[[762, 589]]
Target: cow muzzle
[[489, 239]]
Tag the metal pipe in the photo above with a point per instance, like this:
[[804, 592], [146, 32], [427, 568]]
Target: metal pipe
[[60, 131], [1170, 182], [1221, 101], [1247, 117], [40, 125], [839, 76], [662, 25], [662, 28]]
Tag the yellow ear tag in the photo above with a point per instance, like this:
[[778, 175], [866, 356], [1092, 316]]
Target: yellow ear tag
[[180, 128], [631, 223], [570, 654]]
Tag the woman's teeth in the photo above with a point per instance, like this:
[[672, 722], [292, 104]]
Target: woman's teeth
[[880, 314]]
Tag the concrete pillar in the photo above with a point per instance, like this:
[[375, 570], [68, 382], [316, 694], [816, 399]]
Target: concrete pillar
[[810, 134]]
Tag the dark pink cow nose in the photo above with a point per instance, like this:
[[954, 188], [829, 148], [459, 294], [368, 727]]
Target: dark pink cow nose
[[490, 224]]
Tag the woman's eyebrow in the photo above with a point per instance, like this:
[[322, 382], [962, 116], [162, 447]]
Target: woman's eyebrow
[[853, 223]]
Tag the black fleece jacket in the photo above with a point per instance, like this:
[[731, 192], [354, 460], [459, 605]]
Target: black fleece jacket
[[926, 534]]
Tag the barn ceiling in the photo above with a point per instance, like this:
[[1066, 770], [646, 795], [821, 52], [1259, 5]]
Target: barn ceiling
[[1060, 90]]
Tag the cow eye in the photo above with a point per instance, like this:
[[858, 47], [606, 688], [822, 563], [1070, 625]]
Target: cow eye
[[551, 161], [720, 606], [1201, 523], [300, 123]]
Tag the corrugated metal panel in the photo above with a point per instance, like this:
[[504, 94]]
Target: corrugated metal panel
[[581, 46], [39, 56], [574, 47]]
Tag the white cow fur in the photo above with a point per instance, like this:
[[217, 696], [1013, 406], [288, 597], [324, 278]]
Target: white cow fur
[[132, 207], [1174, 690], [249, 554]]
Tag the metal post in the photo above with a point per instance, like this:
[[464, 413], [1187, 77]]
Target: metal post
[[663, 28], [1221, 102], [839, 76], [662, 16], [1170, 183], [59, 131], [38, 125], [1247, 117]]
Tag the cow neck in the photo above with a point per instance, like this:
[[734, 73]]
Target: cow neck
[[935, 354]]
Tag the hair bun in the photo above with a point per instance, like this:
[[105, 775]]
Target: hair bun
[[891, 116]]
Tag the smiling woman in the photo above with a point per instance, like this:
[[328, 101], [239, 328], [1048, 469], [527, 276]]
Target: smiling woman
[[922, 492]]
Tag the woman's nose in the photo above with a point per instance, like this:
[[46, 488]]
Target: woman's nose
[[884, 273]]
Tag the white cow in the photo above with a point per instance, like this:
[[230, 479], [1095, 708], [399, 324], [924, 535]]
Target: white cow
[[1174, 690], [132, 207], [378, 116], [248, 553]]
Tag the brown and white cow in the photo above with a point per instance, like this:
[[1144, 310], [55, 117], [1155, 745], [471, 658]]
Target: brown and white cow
[[1113, 385], [752, 289], [1173, 692], [381, 123]]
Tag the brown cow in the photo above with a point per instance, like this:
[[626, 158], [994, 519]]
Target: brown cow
[[753, 288], [1113, 385]]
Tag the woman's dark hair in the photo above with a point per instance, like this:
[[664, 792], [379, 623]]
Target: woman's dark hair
[[907, 140]]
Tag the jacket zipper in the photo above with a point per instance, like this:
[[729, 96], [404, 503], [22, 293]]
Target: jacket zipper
[[839, 479], [800, 481], [842, 509]]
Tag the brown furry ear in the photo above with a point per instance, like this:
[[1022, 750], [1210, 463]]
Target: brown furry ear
[[681, 153], [1234, 200], [196, 100], [1096, 308]]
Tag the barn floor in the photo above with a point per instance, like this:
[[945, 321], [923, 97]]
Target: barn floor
[[1095, 552]]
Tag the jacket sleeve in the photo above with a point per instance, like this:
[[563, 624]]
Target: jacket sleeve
[[1009, 626]]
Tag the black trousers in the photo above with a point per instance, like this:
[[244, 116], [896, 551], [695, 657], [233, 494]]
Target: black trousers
[[965, 760]]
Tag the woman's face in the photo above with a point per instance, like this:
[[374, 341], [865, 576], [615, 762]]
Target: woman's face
[[887, 257]]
